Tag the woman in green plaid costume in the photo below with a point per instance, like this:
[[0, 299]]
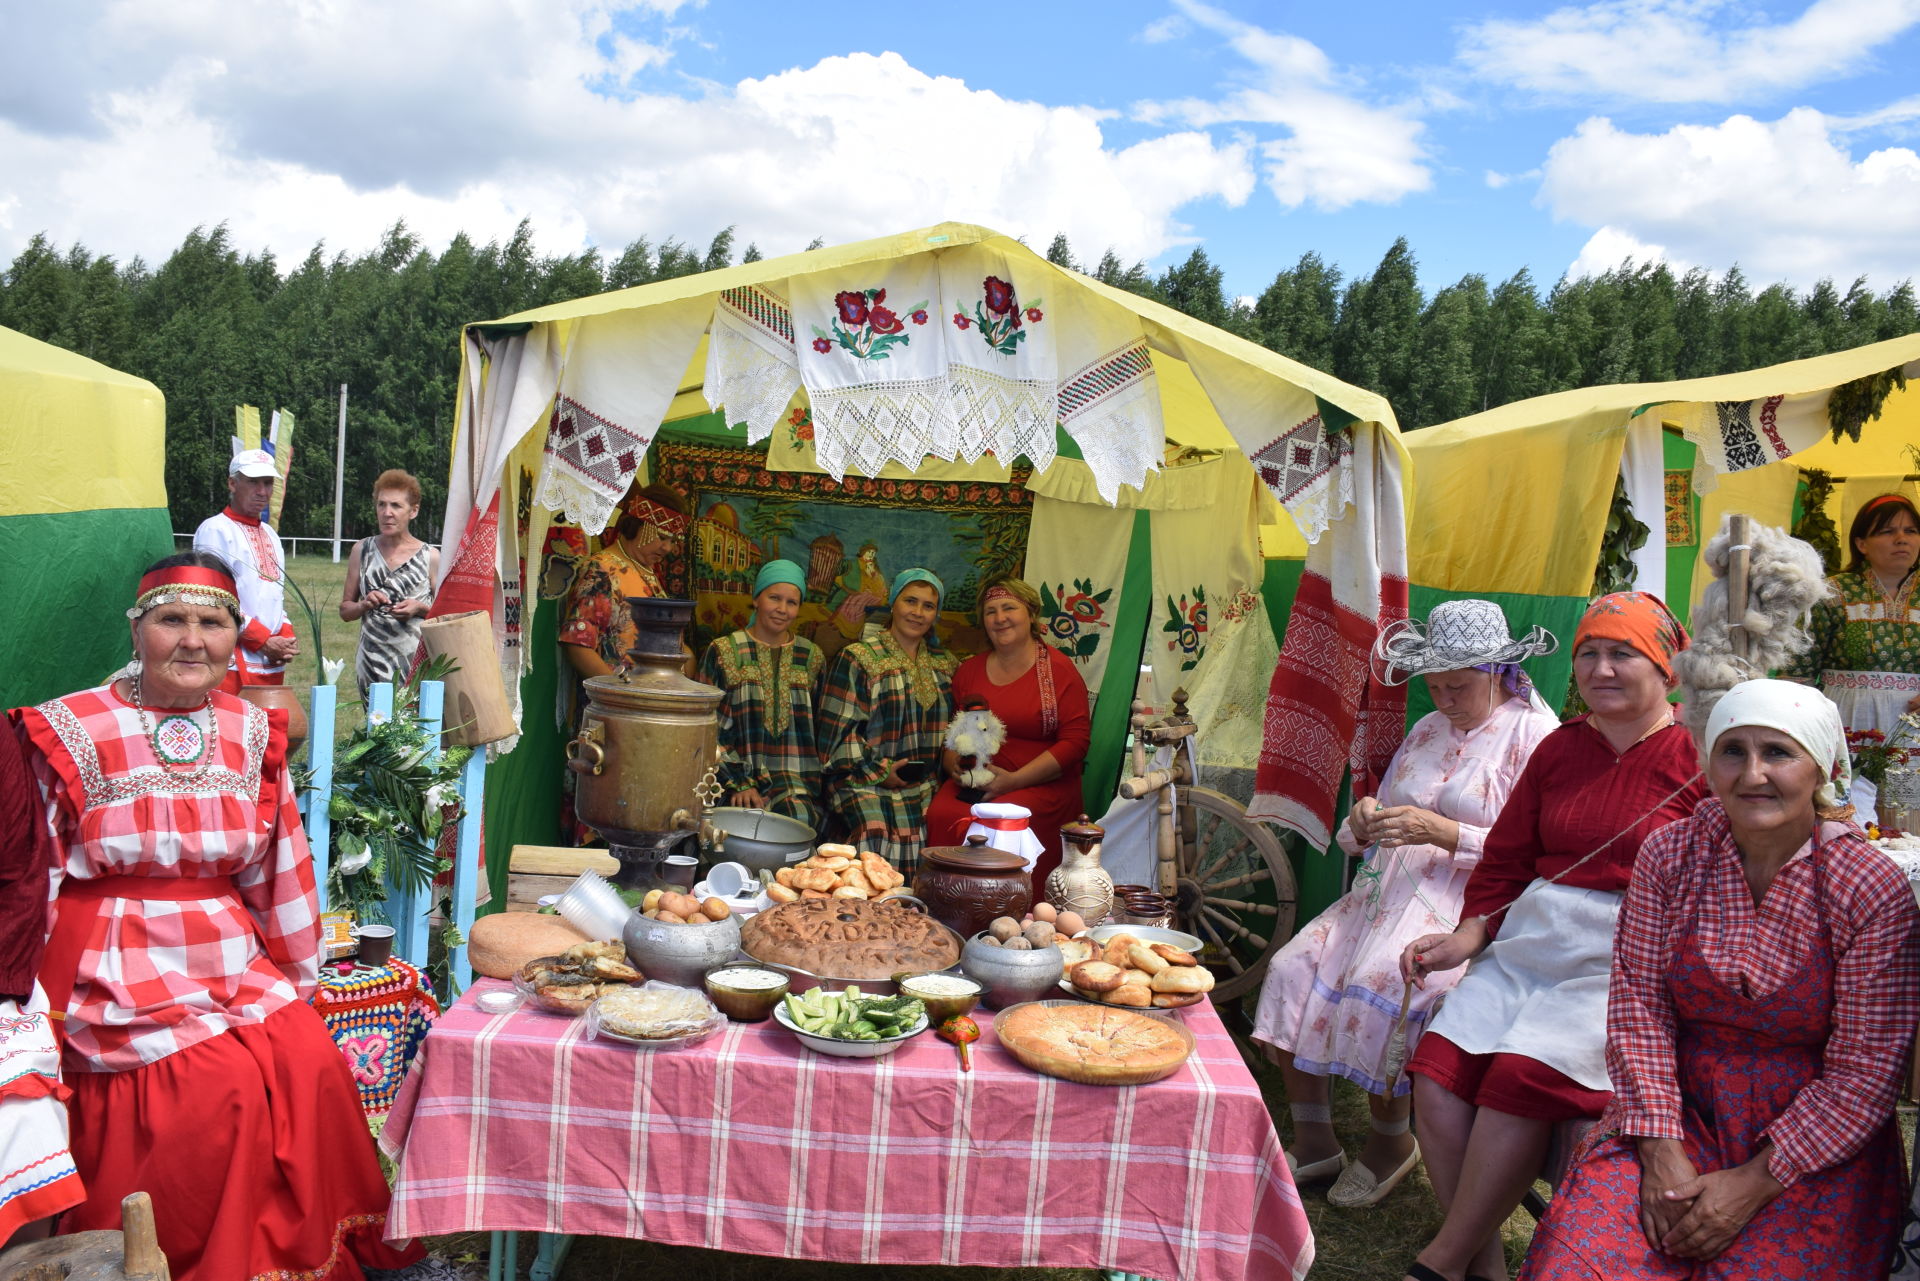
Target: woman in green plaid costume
[[769, 759], [1866, 638], [883, 712]]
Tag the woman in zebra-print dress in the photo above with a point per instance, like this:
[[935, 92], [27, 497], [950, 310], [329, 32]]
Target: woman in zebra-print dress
[[389, 585]]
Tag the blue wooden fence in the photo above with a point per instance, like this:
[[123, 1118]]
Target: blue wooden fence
[[407, 908]]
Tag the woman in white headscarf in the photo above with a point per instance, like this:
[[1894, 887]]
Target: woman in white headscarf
[[1766, 980]]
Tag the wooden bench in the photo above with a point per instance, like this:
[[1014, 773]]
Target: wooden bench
[[534, 871]]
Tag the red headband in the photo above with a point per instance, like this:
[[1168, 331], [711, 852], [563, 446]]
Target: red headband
[[659, 514], [187, 577], [1884, 499], [998, 592]]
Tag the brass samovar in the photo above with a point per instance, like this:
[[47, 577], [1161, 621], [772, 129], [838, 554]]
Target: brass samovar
[[647, 745]]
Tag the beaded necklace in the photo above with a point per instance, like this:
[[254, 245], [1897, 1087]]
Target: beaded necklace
[[178, 741]]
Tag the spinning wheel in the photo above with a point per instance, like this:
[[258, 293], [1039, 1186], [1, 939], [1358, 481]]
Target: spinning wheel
[[1227, 877]]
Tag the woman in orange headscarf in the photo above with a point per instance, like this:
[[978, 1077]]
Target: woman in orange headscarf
[[1521, 1043]]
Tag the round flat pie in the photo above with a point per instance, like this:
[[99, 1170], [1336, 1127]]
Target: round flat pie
[[1093, 1044]]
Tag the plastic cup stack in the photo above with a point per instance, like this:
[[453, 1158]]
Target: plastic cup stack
[[592, 906]]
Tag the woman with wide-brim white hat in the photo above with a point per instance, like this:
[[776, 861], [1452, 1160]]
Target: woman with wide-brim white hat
[[1331, 998]]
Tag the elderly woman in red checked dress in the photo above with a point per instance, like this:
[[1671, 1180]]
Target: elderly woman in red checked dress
[[1766, 979], [184, 945]]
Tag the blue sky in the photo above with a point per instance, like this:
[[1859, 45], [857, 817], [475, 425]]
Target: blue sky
[[1492, 136]]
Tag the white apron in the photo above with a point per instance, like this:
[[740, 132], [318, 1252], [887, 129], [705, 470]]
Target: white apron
[[1540, 989]]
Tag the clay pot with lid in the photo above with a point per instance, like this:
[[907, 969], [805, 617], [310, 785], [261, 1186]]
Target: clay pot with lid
[[966, 886]]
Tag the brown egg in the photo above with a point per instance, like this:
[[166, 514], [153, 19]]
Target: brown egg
[[1069, 923], [1045, 911]]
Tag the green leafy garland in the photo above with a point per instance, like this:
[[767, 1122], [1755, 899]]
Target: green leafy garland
[[1852, 403], [1815, 527], [394, 794]]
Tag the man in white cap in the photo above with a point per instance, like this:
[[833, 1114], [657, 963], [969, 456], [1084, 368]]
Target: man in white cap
[[241, 537]]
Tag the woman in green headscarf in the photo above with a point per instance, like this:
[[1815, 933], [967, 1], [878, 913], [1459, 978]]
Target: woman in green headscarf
[[883, 709], [769, 759]]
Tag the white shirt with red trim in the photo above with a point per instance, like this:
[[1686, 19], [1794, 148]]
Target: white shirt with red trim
[[167, 974], [252, 550]]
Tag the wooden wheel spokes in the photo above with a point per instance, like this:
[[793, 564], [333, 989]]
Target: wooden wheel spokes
[[1236, 889]]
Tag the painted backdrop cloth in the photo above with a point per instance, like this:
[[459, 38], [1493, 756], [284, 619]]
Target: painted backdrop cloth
[[387, 643], [252, 551], [1327, 713], [185, 943], [1018, 704], [1331, 996], [767, 724], [1733, 1026], [877, 704], [1077, 561]]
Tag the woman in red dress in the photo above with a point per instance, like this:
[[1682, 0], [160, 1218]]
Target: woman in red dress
[[1766, 979], [185, 943], [1038, 695], [1520, 1044]]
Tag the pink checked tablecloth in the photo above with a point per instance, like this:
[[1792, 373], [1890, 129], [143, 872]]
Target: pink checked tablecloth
[[749, 1142]]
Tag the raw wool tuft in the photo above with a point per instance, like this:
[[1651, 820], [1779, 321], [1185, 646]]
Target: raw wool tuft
[[1785, 580]]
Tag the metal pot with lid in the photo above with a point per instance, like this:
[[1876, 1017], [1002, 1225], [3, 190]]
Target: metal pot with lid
[[966, 886]]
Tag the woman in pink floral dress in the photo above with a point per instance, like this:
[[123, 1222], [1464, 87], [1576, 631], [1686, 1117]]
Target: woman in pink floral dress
[[1332, 995]]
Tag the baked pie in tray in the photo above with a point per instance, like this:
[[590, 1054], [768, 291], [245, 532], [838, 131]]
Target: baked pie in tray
[[1093, 1044]]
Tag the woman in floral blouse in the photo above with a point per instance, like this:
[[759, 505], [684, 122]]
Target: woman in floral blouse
[[1866, 639], [1331, 997]]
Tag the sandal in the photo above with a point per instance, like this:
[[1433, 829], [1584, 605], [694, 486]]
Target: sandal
[[1358, 1187], [1314, 1171], [1421, 1272]]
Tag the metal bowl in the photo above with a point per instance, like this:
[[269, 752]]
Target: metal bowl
[[1147, 934], [1009, 977], [680, 954], [762, 840]]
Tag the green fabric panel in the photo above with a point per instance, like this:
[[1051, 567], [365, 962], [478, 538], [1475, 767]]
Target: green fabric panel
[[1679, 455], [1114, 706], [1320, 874], [1277, 590], [67, 579], [1332, 417], [1558, 614], [523, 787]]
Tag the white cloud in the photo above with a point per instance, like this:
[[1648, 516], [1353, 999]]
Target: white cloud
[[1784, 199], [1611, 247], [1339, 147], [1496, 180], [331, 121], [1681, 50]]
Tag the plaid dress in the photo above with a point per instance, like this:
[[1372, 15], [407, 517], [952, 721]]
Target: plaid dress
[[158, 975], [767, 721], [185, 944], [876, 705]]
